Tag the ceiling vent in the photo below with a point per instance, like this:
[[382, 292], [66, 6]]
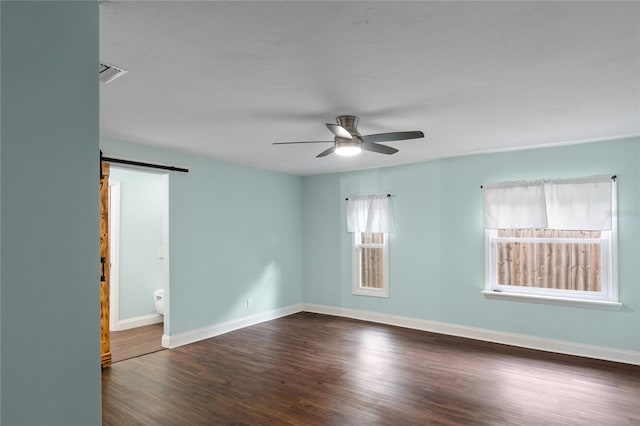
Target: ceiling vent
[[108, 73]]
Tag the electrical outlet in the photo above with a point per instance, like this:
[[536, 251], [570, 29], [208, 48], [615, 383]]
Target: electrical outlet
[[249, 303]]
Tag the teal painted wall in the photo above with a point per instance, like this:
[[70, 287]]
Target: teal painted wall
[[437, 251], [142, 196], [49, 279], [234, 233]]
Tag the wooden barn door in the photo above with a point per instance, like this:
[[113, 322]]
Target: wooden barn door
[[105, 347]]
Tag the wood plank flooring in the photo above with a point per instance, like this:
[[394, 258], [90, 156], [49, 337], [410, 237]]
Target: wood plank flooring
[[135, 342], [310, 369]]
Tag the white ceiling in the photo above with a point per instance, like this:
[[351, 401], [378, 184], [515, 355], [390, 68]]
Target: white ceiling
[[227, 79]]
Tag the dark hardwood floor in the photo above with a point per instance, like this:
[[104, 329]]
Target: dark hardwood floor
[[310, 369], [137, 341]]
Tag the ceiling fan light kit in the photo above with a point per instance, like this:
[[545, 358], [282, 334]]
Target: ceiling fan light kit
[[347, 148], [348, 141]]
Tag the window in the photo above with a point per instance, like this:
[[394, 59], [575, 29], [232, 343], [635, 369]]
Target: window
[[369, 220], [569, 254], [552, 263], [371, 264]]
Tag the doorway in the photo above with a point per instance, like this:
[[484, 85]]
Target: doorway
[[139, 268]]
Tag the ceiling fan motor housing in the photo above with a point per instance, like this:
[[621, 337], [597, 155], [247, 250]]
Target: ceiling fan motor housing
[[351, 146], [349, 122], [341, 142]]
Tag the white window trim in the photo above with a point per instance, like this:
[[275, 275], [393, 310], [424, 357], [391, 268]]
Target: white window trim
[[562, 301], [355, 268], [608, 298]]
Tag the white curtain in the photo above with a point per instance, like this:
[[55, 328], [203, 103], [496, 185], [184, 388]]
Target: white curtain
[[579, 204], [567, 204], [514, 205], [369, 213]]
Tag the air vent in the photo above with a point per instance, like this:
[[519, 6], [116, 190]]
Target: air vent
[[108, 73]]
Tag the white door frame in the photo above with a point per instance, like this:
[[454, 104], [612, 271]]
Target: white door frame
[[167, 263], [114, 247]]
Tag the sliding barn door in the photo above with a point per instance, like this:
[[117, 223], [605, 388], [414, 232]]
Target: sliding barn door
[[105, 347]]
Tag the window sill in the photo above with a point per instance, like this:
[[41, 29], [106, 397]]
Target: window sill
[[563, 301], [372, 293]]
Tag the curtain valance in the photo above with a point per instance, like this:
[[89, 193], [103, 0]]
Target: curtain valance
[[569, 204], [514, 205], [369, 213]]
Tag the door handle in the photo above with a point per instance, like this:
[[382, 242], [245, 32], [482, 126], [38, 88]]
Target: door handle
[[103, 277]]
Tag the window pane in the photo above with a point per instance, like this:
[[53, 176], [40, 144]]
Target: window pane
[[371, 238], [561, 266], [371, 267]]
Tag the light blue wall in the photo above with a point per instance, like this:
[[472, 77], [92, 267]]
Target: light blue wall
[[437, 251], [49, 221], [234, 233], [142, 196]]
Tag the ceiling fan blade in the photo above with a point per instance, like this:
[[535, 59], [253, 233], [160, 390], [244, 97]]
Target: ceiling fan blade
[[289, 143], [393, 136], [326, 152], [382, 149], [339, 131]]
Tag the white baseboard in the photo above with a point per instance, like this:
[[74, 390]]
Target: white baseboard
[[512, 339], [217, 329], [166, 341], [138, 322], [521, 340]]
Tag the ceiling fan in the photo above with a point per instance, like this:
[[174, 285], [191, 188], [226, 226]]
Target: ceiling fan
[[348, 141]]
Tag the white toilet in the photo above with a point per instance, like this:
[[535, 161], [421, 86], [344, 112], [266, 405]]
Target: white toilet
[[159, 298]]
